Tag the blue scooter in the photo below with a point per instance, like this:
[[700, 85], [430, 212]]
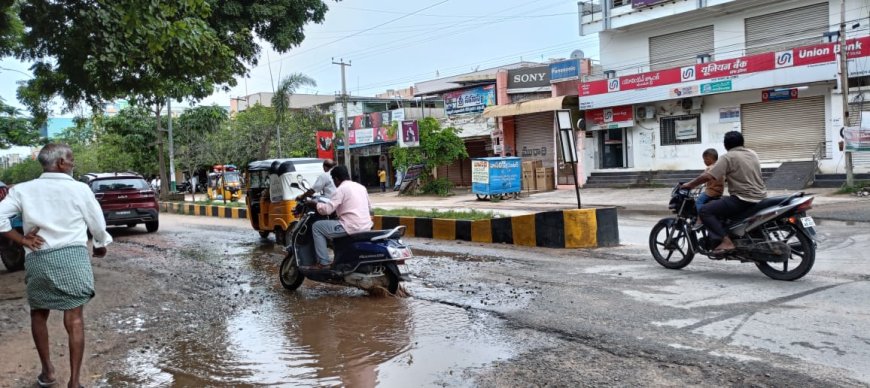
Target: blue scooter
[[364, 260]]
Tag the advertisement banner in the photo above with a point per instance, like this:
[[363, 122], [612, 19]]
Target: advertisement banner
[[473, 100], [480, 171], [363, 136], [565, 70], [729, 115], [813, 62], [410, 136], [609, 118], [325, 149], [857, 138]]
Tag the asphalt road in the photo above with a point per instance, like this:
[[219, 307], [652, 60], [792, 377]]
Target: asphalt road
[[207, 310]]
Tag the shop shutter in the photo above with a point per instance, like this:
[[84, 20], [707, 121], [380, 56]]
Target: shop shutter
[[791, 28], [459, 172], [535, 137], [680, 48], [784, 130]]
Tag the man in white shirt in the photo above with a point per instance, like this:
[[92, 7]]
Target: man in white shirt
[[58, 212]]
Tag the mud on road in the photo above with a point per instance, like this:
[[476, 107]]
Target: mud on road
[[198, 304]]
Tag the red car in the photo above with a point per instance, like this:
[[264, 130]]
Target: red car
[[126, 199]]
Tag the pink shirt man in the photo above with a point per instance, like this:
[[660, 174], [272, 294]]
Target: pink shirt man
[[351, 203]]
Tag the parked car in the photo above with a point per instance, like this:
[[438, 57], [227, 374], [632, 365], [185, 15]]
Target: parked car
[[126, 199]]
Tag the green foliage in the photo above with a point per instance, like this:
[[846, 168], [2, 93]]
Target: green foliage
[[89, 51], [192, 128], [859, 186], [280, 104], [438, 147], [10, 27], [21, 172], [440, 186], [15, 129], [472, 215]]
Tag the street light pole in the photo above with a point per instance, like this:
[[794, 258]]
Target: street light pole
[[844, 88], [344, 108], [172, 188]]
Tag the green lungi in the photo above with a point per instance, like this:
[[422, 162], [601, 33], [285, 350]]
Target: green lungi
[[59, 279]]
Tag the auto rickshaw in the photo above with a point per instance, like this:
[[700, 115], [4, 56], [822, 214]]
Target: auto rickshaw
[[273, 186], [224, 183]]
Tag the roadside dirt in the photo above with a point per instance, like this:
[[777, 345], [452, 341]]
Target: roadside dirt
[[149, 291]]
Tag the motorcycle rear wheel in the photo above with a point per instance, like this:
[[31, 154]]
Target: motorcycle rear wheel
[[675, 254], [802, 248], [289, 274]]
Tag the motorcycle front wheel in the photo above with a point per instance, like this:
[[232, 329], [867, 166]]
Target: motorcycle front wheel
[[800, 259], [669, 244], [289, 274]]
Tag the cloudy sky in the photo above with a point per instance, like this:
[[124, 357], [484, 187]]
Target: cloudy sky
[[392, 44]]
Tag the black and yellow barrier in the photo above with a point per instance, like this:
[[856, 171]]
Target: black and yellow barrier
[[203, 210], [578, 228]]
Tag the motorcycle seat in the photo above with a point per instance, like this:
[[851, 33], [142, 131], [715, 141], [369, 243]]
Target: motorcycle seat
[[764, 204], [373, 235]]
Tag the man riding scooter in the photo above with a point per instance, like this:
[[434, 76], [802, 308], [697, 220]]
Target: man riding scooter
[[353, 208]]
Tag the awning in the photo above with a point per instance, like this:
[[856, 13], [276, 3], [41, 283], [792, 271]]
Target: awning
[[532, 106]]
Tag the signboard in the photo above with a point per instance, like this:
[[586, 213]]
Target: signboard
[[729, 115], [686, 129], [473, 100], [646, 3], [565, 70], [779, 94], [324, 144], [363, 136], [529, 77], [609, 118], [716, 87], [480, 171], [802, 64], [410, 134], [397, 115], [857, 138]]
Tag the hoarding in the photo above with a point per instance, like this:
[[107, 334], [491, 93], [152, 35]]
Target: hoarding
[[609, 118], [324, 144], [472, 100], [565, 70]]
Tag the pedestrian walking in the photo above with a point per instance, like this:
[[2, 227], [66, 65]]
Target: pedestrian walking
[[58, 212]]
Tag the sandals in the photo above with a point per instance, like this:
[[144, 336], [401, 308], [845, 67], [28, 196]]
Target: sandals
[[45, 383]]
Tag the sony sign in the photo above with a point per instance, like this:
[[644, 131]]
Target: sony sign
[[529, 77]]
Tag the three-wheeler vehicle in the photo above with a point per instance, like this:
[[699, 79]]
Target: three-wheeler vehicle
[[273, 186]]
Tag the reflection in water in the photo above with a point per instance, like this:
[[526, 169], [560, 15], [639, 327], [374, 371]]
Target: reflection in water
[[323, 336]]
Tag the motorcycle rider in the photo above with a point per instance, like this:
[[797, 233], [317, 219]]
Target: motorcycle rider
[[353, 208], [741, 171]]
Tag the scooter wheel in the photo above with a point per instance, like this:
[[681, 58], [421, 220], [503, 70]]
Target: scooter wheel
[[289, 274]]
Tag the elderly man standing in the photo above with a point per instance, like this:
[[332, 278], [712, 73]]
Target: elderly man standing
[[58, 212]]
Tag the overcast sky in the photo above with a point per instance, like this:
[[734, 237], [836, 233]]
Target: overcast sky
[[392, 44]]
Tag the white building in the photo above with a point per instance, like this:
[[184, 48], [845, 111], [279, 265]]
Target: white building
[[678, 74]]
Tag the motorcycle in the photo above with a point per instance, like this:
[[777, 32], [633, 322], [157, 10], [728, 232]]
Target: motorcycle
[[365, 260], [776, 235]]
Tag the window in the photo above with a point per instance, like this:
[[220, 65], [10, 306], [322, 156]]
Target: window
[[620, 3], [101, 185], [676, 130], [785, 29]]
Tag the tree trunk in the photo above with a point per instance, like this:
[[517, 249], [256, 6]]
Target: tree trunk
[[164, 186], [264, 146]]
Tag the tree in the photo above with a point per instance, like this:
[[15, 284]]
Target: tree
[[15, 129], [194, 125], [87, 51], [281, 102], [22, 172], [10, 27], [438, 147]]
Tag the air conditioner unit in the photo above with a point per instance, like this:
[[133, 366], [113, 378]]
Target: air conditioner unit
[[645, 112], [691, 103]]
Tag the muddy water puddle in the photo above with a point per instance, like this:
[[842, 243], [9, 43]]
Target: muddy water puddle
[[324, 335]]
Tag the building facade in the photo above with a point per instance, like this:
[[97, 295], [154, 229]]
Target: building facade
[[678, 74]]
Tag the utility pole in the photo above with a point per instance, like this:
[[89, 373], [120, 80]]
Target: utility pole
[[844, 88], [172, 187], [344, 108]]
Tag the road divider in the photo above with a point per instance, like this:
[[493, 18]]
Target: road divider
[[574, 228], [203, 210]]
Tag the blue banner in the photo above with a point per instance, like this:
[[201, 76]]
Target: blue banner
[[565, 70]]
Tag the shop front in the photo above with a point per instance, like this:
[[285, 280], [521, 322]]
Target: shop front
[[370, 144], [785, 103], [464, 109]]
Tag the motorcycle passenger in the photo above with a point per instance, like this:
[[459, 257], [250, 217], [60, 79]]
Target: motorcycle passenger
[[323, 184], [740, 168], [351, 204]]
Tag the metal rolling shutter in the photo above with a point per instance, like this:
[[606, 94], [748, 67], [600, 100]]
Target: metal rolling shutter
[[791, 28], [784, 130], [535, 137], [680, 48]]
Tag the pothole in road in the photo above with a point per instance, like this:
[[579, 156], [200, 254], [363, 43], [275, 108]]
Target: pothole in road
[[328, 335]]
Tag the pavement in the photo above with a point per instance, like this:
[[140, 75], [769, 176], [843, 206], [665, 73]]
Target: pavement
[[826, 205]]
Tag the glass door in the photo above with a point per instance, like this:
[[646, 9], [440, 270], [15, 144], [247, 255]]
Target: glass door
[[613, 148]]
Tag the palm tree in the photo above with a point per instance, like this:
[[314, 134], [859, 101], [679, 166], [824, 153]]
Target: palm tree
[[281, 101]]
